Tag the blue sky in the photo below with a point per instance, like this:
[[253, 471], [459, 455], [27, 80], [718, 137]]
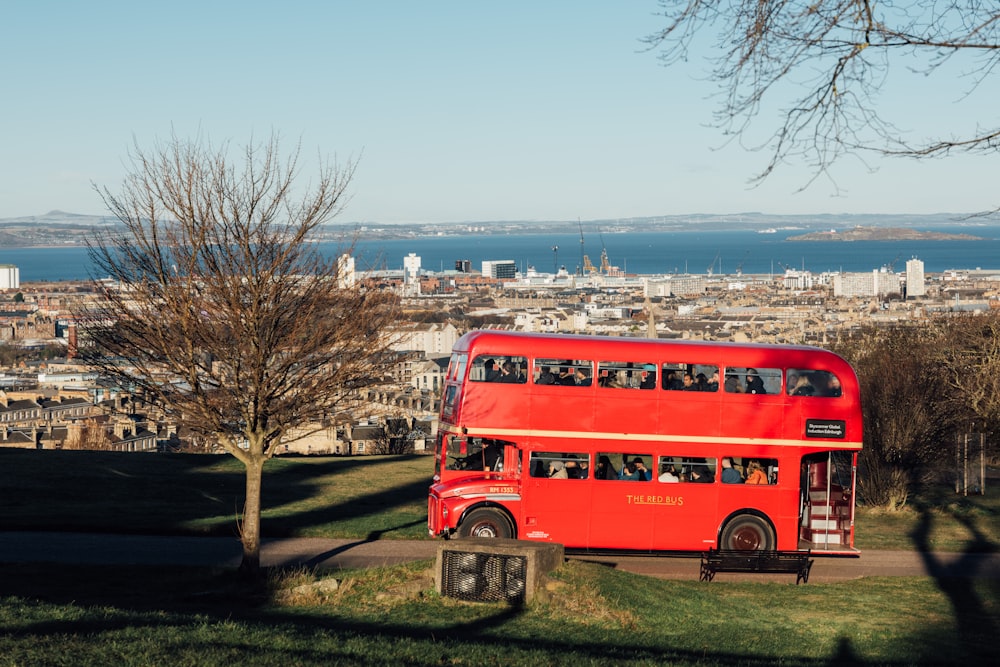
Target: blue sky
[[458, 111]]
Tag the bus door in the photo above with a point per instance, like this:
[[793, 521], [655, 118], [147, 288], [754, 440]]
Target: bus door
[[827, 500], [557, 487], [624, 502]]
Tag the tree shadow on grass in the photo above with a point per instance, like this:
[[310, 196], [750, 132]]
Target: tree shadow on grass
[[957, 579]]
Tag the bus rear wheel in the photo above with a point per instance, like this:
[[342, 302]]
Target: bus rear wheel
[[485, 522], [748, 532]]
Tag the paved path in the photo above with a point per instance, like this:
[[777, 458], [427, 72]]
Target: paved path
[[90, 548]]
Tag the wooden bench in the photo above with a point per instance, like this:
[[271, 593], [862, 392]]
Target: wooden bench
[[723, 560]]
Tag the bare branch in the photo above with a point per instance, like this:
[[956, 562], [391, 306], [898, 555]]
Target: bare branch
[[839, 54]]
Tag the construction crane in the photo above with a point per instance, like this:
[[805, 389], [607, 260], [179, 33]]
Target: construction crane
[[555, 259], [739, 267], [605, 262], [711, 267]]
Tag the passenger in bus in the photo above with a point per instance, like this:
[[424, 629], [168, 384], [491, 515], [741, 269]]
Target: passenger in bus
[[507, 374], [574, 467], [729, 474], [605, 469], [832, 385], [802, 386], [557, 470], [755, 473], [546, 376], [702, 475], [566, 376], [690, 384], [672, 382], [582, 379], [648, 380], [669, 474], [713, 382], [491, 370], [636, 471], [702, 381], [733, 384], [754, 384]]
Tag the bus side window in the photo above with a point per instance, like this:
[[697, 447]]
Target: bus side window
[[627, 467], [802, 382], [563, 372], [560, 465], [697, 470], [626, 375], [498, 368], [753, 380], [758, 471]]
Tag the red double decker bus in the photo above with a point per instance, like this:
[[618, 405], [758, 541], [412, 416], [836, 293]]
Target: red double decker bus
[[624, 444]]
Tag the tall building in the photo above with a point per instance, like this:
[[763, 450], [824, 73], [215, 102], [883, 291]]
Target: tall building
[[915, 278], [10, 277], [411, 275], [346, 276]]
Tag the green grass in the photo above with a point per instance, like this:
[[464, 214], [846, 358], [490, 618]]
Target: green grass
[[589, 615]]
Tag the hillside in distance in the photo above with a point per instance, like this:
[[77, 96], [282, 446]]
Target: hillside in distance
[[881, 234], [59, 228]]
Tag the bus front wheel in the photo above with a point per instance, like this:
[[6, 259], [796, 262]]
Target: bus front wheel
[[485, 522], [748, 532]]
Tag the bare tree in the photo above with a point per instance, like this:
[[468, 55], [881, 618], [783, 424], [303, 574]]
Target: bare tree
[[970, 354], [907, 405], [834, 57], [222, 310]]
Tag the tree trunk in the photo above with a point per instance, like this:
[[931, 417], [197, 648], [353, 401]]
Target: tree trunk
[[250, 528]]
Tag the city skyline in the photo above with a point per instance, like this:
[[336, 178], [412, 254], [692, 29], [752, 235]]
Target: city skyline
[[456, 112]]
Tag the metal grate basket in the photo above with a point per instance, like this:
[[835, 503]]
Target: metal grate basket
[[483, 577]]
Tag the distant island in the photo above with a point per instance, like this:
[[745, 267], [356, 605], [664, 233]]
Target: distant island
[[881, 234]]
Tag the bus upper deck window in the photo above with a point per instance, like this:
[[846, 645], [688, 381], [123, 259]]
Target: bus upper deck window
[[627, 375], [803, 382], [563, 372], [751, 380], [498, 368]]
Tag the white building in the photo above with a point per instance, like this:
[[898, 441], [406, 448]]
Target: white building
[[876, 283], [915, 285], [346, 277], [10, 276], [411, 275], [431, 339]]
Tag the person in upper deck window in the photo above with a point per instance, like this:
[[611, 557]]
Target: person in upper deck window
[[754, 384], [507, 373], [832, 385], [546, 376]]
